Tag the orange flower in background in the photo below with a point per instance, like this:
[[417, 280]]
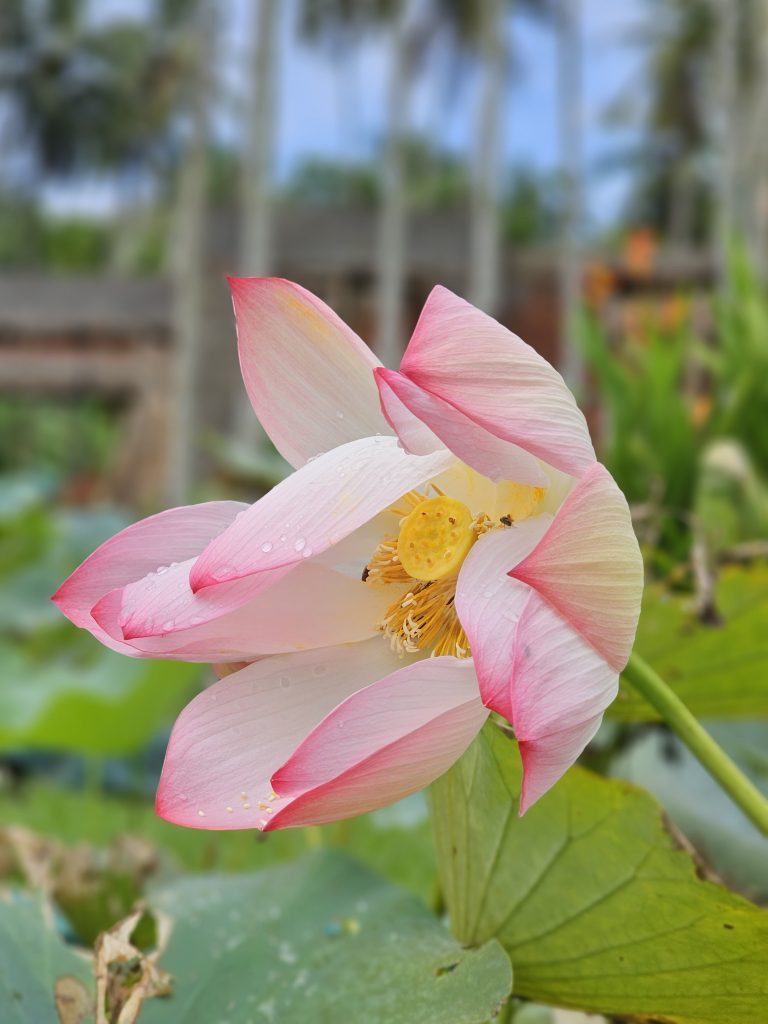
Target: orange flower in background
[[673, 311], [640, 250], [701, 409], [599, 285]]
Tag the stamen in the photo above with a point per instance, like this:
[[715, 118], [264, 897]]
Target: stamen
[[425, 617], [385, 565], [424, 560]]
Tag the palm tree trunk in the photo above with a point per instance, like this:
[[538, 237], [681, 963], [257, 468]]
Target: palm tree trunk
[[485, 234], [726, 14], [569, 61], [187, 260], [391, 231], [256, 252]]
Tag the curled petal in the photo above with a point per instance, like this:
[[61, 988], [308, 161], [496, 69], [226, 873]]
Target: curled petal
[[588, 566], [307, 374], [152, 543], [315, 508], [559, 688], [420, 419], [469, 361], [382, 743], [164, 605], [533, 667], [313, 606], [229, 740]]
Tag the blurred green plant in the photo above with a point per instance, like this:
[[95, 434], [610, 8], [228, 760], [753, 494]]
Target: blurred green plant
[[682, 419], [63, 437]]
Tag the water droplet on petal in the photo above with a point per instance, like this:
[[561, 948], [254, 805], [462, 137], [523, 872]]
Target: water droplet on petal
[[285, 682], [266, 546], [161, 569], [306, 553], [340, 415], [300, 543], [320, 670]]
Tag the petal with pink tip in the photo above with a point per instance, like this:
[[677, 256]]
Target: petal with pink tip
[[409, 409], [159, 606], [312, 607], [559, 688], [231, 738], [381, 744], [307, 374], [316, 507], [489, 605], [588, 566], [532, 666], [468, 360], [142, 548]]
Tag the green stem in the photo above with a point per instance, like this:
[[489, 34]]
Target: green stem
[[712, 756]]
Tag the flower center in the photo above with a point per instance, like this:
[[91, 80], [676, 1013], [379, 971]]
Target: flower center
[[423, 562], [435, 538]]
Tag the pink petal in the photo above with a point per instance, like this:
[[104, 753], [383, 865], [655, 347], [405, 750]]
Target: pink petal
[[162, 605], [532, 667], [588, 566], [316, 507], [382, 743], [229, 740], [307, 374], [313, 606], [467, 359], [408, 408], [489, 605], [170, 536], [560, 687]]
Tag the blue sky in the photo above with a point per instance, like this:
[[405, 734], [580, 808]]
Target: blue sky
[[333, 107]]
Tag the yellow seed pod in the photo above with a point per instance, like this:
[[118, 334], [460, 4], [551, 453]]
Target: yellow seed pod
[[435, 538]]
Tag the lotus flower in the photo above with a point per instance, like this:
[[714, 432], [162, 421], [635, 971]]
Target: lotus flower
[[448, 545]]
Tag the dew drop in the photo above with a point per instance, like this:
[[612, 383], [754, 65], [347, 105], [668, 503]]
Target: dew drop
[[285, 682], [339, 415], [266, 546], [283, 538], [320, 670], [306, 553], [161, 569], [300, 543]]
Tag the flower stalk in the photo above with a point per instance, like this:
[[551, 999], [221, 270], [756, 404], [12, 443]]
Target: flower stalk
[[710, 754]]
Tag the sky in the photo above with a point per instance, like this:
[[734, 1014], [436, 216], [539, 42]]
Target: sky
[[332, 105]]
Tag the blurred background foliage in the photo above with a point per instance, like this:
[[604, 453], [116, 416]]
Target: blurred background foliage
[[598, 182]]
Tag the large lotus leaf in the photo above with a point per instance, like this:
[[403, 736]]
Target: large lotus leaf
[[321, 939], [719, 671], [597, 905], [32, 960]]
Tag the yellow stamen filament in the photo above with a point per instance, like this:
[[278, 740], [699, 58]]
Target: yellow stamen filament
[[385, 565], [425, 618]]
